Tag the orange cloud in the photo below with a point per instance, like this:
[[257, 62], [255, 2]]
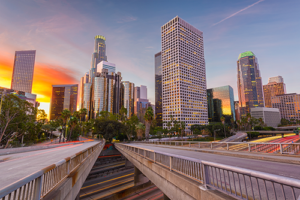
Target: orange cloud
[[45, 75]]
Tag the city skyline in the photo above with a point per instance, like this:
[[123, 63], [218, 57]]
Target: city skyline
[[68, 54]]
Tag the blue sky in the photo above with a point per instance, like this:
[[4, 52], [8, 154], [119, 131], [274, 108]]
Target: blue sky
[[63, 31]]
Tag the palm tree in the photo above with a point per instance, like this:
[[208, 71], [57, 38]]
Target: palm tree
[[148, 119], [82, 112], [72, 123], [140, 127], [182, 126], [248, 121], [238, 122], [65, 114], [261, 122], [223, 122]]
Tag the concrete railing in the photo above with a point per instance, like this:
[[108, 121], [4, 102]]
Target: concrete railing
[[237, 182], [277, 148], [37, 185]]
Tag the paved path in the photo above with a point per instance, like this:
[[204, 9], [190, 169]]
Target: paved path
[[17, 166], [283, 169]]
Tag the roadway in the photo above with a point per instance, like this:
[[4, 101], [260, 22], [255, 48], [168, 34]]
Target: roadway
[[17, 166], [282, 169]]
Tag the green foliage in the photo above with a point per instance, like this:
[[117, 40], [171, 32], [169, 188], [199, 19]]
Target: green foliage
[[269, 128], [149, 117], [252, 135], [108, 128]]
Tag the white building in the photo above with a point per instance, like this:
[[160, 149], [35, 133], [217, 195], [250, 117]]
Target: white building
[[270, 116], [183, 73], [276, 79], [111, 67]]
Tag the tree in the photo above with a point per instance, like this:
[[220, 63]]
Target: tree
[[83, 112], [72, 123], [148, 119], [65, 115], [182, 126], [41, 116], [14, 114], [123, 113], [223, 122], [140, 127]]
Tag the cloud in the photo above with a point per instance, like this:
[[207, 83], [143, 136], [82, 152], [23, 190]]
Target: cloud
[[237, 12], [45, 75], [127, 19]]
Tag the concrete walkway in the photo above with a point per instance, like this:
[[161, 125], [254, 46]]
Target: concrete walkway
[[17, 166]]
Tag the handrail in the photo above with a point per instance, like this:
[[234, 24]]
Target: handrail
[[240, 183], [40, 183], [260, 147]]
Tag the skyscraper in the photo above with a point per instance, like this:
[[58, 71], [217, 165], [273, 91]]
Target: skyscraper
[[98, 55], [221, 103], [183, 73], [276, 86], [249, 83], [83, 80], [141, 103], [288, 105], [63, 97], [158, 89], [128, 97], [22, 77]]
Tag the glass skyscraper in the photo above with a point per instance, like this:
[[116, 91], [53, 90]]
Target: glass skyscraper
[[183, 73], [158, 89], [220, 101], [129, 97], [22, 77], [98, 55], [63, 97], [249, 83]]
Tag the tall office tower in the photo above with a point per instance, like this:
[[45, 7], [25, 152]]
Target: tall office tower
[[220, 101], [158, 89], [249, 83], [183, 73], [87, 92], [22, 77], [111, 67], [129, 97], [83, 80], [276, 79], [98, 55], [288, 105], [106, 91], [276, 86], [141, 103], [63, 97]]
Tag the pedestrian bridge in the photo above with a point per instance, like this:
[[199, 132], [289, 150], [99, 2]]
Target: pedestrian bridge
[[182, 173], [52, 173]]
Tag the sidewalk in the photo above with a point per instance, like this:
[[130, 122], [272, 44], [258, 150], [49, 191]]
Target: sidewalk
[[290, 159]]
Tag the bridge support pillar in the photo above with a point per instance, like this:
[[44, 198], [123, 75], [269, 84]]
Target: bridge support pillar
[[139, 177], [128, 164]]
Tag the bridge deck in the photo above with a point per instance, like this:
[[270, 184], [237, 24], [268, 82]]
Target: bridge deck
[[282, 169], [16, 166]]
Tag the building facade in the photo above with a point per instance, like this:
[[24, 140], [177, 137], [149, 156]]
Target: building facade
[[183, 73], [271, 90], [63, 97], [220, 101], [98, 55], [128, 97], [237, 110], [276, 79], [270, 116], [158, 89], [23, 70], [288, 105], [249, 83]]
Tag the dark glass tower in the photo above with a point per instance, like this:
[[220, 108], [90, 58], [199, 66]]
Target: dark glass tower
[[63, 97], [249, 83], [220, 101], [23, 71], [158, 89]]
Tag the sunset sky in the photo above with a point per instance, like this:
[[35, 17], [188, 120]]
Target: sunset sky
[[62, 33]]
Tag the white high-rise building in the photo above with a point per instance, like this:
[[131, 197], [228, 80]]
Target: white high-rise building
[[111, 67], [183, 73], [143, 92], [277, 79]]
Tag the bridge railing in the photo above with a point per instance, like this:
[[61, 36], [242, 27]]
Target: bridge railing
[[239, 183], [39, 184], [277, 148]]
